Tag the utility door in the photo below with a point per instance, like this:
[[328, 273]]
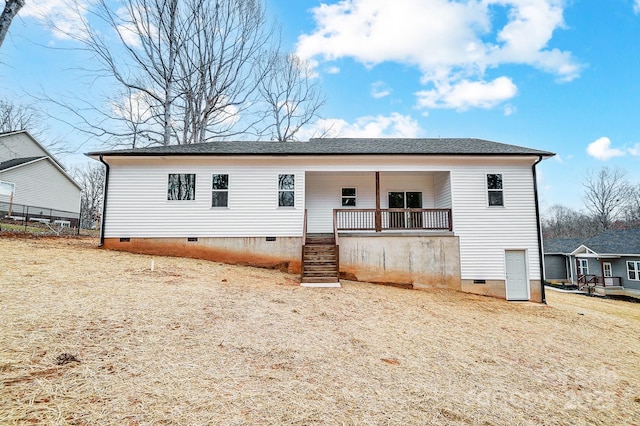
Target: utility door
[[517, 280]]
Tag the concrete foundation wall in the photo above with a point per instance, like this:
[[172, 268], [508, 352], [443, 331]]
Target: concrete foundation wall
[[496, 288], [423, 261], [283, 254]]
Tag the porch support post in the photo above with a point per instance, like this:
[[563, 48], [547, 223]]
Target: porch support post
[[378, 214], [602, 271]]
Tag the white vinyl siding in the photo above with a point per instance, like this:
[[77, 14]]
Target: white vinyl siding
[[19, 145], [42, 184], [138, 207], [442, 187], [485, 233], [324, 194]]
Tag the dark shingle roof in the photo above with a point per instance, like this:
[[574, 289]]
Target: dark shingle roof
[[17, 162], [615, 241], [561, 245], [344, 146]]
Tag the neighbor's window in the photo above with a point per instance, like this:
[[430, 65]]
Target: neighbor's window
[[494, 189], [220, 190], [182, 186], [348, 197], [583, 267], [286, 190], [607, 269], [633, 270]]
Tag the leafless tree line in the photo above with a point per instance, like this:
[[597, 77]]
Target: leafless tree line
[[610, 201]]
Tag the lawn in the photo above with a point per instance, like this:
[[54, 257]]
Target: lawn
[[95, 337]]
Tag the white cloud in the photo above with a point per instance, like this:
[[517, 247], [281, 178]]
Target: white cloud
[[636, 6], [635, 150], [333, 70], [379, 90], [509, 110], [67, 16], [600, 149], [468, 94], [452, 42], [394, 125]]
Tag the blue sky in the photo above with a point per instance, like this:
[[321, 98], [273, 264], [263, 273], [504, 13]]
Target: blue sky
[[556, 75]]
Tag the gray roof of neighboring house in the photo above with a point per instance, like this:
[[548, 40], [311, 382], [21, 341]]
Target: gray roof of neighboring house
[[340, 146], [561, 245], [615, 241], [17, 162]]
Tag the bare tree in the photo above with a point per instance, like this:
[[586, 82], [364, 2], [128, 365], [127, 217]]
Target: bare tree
[[11, 9], [292, 96], [91, 179], [563, 222], [606, 193], [15, 116], [185, 71], [632, 209]]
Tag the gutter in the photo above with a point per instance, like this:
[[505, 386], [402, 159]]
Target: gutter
[[104, 201], [539, 228]]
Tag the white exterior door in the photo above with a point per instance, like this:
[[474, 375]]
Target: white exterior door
[[517, 280]]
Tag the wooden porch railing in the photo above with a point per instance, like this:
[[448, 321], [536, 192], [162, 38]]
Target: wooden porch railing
[[594, 280], [392, 219]]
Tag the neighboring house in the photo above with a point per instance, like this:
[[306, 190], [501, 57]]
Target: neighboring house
[[449, 213], [33, 184], [559, 264], [609, 261]]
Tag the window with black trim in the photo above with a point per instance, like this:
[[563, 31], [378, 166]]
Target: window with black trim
[[220, 190], [182, 186], [633, 270], [348, 197], [286, 190], [495, 195]]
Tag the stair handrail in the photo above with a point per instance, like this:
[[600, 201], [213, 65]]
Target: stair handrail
[[335, 237], [304, 228], [304, 242]]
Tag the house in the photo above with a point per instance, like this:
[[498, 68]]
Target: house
[[33, 184], [610, 261], [451, 213], [559, 264]]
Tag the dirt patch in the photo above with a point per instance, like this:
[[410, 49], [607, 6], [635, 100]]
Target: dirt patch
[[197, 342]]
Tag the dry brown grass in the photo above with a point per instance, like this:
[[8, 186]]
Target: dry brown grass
[[196, 342]]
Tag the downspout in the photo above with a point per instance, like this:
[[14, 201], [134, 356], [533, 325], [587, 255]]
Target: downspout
[[104, 201], [539, 228]]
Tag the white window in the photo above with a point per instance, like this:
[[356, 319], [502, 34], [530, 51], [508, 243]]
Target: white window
[[495, 194], [607, 269], [348, 197], [633, 270], [7, 188], [182, 186], [583, 267], [286, 190], [219, 190]]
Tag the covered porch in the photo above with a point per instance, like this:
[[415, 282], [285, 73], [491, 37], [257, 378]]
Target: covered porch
[[595, 271], [378, 202], [385, 227]]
